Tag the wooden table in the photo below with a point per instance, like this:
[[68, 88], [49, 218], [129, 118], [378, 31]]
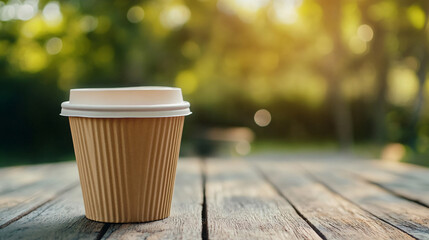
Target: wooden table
[[233, 199]]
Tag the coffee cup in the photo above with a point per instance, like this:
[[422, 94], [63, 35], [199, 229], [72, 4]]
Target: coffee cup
[[126, 143]]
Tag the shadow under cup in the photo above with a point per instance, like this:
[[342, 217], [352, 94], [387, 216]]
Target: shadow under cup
[[127, 166], [126, 142]]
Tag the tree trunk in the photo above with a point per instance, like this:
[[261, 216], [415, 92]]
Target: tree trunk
[[421, 74], [422, 55], [379, 110], [381, 60], [333, 71]]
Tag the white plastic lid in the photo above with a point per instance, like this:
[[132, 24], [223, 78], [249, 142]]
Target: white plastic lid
[[130, 102]]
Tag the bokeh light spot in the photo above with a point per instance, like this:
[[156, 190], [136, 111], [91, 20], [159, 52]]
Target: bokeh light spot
[[25, 12], [174, 17], [7, 13], [33, 27], [52, 13], [30, 57], [365, 32], [393, 152], [262, 117], [246, 10], [88, 23], [54, 45], [403, 86], [187, 81], [416, 16], [243, 148], [285, 11], [135, 14]]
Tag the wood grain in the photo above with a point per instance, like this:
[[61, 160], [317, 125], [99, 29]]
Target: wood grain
[[402, 179], [61, 218], [332, 215], [185, 219], [242, 205], [274, 200], [404, 169], [408, 216], [13, 178], [37, 186]]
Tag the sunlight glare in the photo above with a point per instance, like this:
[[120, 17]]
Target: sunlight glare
[[173, 17], [7, 13], [246, 10], [25, 12], [285, 11], [52, 13]]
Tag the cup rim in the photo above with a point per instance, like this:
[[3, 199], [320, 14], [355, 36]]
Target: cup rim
[[124, 102]]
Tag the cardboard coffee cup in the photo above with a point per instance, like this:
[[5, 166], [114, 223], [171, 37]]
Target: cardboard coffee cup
[[127, 143]]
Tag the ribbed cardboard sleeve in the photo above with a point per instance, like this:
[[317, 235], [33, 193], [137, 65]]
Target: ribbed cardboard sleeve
[[127, 166]]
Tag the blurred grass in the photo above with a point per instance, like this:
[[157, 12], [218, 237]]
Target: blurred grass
[[281, 146], [421, 159], [364, 150], [360, 150]]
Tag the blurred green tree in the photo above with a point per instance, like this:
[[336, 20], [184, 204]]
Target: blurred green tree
[[331, 70]]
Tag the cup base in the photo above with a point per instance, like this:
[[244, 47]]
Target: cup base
[[118, 221]]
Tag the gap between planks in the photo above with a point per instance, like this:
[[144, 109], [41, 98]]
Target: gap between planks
[[382, 229], [312, 176], [264, 176], [408, 182], [204, 224], [185, 221], [371, 197], [241, 204], [403, 196]]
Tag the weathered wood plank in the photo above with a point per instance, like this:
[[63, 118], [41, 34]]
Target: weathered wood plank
[[407, 182], [404, 169], [185, 219], [23, 199], [61, 218], [408, 216], [242, 205], [332, 215], [13, 178]]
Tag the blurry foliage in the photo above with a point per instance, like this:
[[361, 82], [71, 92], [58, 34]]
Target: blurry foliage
[[231, 58]]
